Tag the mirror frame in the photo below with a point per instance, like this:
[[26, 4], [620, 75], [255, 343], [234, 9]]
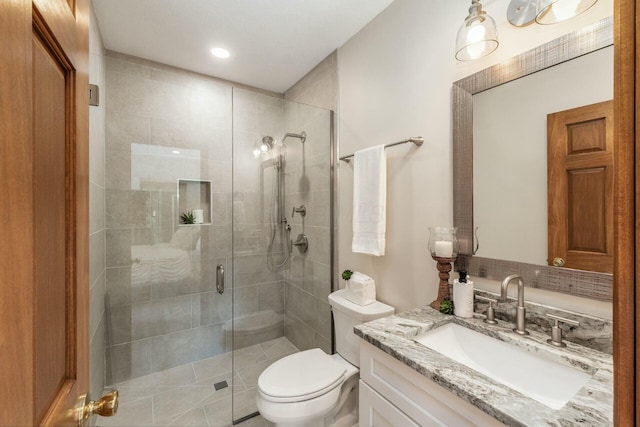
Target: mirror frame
[[579, 283]]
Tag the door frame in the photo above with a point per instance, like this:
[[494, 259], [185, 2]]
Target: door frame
[[627, 199]]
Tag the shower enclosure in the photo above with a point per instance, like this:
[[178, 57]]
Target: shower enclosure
[[204, 285]]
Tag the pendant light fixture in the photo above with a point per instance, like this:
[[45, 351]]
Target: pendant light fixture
[[478, 35], [523, 12], [554, 11]]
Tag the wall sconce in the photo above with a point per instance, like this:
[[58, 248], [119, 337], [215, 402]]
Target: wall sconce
[[545, 12], [478, 35]]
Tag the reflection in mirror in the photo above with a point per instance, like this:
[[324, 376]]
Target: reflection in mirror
[[595, 38], [510, 152]]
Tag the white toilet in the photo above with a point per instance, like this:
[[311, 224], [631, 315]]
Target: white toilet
[[312, 388]]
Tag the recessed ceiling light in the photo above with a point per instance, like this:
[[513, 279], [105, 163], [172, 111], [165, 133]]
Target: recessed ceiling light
[[219, 52], [175, 151]]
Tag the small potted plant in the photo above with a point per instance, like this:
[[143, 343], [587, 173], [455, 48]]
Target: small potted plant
[[188, 217], [346, 275], [446, 306]]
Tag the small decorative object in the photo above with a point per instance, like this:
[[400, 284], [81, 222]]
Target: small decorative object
[[188, 218], [443, 246], [446, 306], [346, 275], [463, 296], [359, 288], [198, 216]]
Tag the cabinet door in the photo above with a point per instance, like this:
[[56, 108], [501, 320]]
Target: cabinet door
[[424, 401], [377, 411]]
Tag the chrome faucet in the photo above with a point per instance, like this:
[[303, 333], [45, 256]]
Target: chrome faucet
[[520, 311]]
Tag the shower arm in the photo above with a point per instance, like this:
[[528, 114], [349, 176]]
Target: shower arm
[[301, 136]]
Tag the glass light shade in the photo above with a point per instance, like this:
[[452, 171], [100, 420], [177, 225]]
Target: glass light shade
[[478, 35], [443, 242], [262, 147], [554, 11]]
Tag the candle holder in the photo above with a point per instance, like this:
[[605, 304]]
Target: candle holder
[[443, 245], [444, 268]]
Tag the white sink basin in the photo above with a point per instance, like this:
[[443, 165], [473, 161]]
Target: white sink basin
[[547, 381]]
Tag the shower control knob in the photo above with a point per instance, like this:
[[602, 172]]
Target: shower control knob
[[302, 210], [302, 243]]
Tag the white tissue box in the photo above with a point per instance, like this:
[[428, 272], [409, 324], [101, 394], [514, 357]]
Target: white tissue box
[[361, 289]]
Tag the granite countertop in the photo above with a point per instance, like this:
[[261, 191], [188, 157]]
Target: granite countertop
[[591, 406]]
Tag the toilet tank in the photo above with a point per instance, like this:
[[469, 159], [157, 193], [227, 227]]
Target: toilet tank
[[346, 315]]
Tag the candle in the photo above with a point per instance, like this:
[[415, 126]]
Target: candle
[[199, 216], [444, 249]]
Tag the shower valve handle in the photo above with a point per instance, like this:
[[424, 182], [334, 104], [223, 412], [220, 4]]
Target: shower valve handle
[[302, 210]]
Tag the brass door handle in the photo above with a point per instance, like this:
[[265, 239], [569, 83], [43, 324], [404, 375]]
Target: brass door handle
[[558, 262], [107, 406]]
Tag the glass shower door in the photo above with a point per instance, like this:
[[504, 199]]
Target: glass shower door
[[168, 206]]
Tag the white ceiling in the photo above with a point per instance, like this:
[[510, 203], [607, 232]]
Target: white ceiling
[[273, 43]]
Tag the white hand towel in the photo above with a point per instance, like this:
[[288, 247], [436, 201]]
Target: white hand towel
[[369, 201]]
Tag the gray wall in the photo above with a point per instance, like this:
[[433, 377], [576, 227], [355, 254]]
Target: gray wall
[[258, 291], [319, 87], [97, 212], [307, 181], [308, 279]]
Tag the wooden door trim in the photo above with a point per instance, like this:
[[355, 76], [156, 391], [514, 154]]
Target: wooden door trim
[[625, 300], [59, 17]]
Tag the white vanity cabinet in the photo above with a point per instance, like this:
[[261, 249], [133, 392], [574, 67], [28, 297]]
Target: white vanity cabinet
[[392, 394]]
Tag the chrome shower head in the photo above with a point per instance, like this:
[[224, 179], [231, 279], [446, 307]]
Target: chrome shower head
[[263, 146]]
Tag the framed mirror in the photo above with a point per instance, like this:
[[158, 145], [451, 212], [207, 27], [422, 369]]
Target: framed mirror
[[513, 221]]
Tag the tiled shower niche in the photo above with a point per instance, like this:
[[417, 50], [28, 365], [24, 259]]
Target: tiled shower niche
[[195, 195]]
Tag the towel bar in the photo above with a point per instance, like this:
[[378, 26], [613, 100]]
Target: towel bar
[[418, 140]]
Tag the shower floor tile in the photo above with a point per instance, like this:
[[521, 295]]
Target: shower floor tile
[[186, 395]]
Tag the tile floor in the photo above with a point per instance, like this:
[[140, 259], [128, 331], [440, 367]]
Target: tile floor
[[186, 396]]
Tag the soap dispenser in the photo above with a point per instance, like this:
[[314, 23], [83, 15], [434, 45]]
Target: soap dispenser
[[463, 296]]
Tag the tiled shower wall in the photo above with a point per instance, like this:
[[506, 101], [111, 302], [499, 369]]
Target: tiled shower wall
[[97, 212], [259, 291], [164, 124], [308, 281], [307, 181]]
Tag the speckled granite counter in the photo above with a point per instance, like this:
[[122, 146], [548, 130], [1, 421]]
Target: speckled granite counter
[[591, 406]]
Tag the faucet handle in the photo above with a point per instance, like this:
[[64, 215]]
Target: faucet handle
[[556, 332], [302, 210], [491, 319]]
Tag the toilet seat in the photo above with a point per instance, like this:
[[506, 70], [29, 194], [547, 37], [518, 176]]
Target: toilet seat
[[301, 376]]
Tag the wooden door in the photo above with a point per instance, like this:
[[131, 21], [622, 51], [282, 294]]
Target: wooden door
[[44, 268], [580, 187]]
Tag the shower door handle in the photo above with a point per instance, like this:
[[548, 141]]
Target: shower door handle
[[220, 279]]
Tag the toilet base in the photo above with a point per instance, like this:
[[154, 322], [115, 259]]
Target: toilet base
[[344, 414]]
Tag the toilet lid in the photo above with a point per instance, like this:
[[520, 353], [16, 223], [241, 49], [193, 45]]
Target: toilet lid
[[301, 376]]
